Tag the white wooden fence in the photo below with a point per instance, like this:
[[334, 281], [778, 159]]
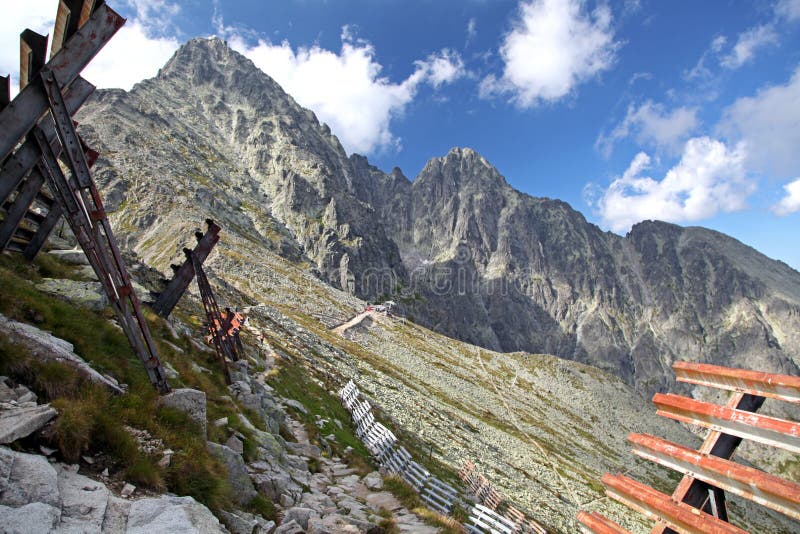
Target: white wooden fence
[[383, 446]]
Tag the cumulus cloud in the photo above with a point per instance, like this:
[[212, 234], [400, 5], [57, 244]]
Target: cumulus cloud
[[130, 57], [652, 125], [346, 89], [709, 178], [747, 44], [791, 202], [554, 46], [768, 123]]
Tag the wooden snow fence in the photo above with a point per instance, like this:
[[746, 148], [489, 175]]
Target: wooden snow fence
[[698, 503]]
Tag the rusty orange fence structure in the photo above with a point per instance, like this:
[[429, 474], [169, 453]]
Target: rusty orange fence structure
[[698, 503]]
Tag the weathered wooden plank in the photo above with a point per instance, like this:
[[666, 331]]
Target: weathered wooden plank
[[747, 425], [680, 517], [781, 387]]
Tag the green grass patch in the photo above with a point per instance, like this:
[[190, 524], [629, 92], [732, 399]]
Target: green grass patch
[[91, 420]]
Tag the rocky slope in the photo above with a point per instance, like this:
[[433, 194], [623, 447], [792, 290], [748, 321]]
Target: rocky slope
[[213, 136]]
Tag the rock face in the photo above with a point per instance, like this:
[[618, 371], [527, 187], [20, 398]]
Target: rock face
[[36, 496], [211, 135]]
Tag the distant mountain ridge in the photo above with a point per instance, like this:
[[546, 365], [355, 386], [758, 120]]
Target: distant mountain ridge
[[459, 249]]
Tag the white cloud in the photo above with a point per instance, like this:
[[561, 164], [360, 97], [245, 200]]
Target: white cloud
[[768, 123], [131, 56], [472, 30], [442, 67], [746, 45], [710, 177], [788, 9], [651, 125], [791, 202], [38, 15], [554, 46], [346, 89]]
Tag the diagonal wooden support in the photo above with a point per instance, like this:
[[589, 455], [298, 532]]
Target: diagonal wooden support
[[71, 15], [85, 213], [168, 298]]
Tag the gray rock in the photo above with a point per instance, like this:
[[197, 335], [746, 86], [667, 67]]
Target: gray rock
[[289, 527], [297, 405], [116, 518], [171, 514], [303, 449], [46, 347], [86, 294], [83, 502], [190, 401], [373, 481], [239, 522], [33, 518], [74, 256], [235, 444], [27, 478], [18, 423], [6, 393], [299, 515], [243, 490]]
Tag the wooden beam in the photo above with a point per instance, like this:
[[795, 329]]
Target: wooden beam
[[680, 517], [781, 387], [594, 523], [760, 428]]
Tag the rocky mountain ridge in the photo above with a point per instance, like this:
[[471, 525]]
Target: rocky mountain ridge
[[212, 135]]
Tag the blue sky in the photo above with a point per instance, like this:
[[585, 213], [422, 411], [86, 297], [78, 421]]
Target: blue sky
[[683, 111]]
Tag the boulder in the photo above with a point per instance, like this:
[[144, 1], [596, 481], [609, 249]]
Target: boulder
[[373, 481], [83, 502], [33, 518], [235, 444], [300, 515], [303, 449], [74, 256], [85, 294], [17, 423], [238, 477], [46, 347], [289, 527], [169, 513], [27, 478], [238, 522], [190, 401]]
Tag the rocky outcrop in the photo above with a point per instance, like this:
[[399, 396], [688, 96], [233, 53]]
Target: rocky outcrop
[[46, 347], [37, 496], [19, 422]]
